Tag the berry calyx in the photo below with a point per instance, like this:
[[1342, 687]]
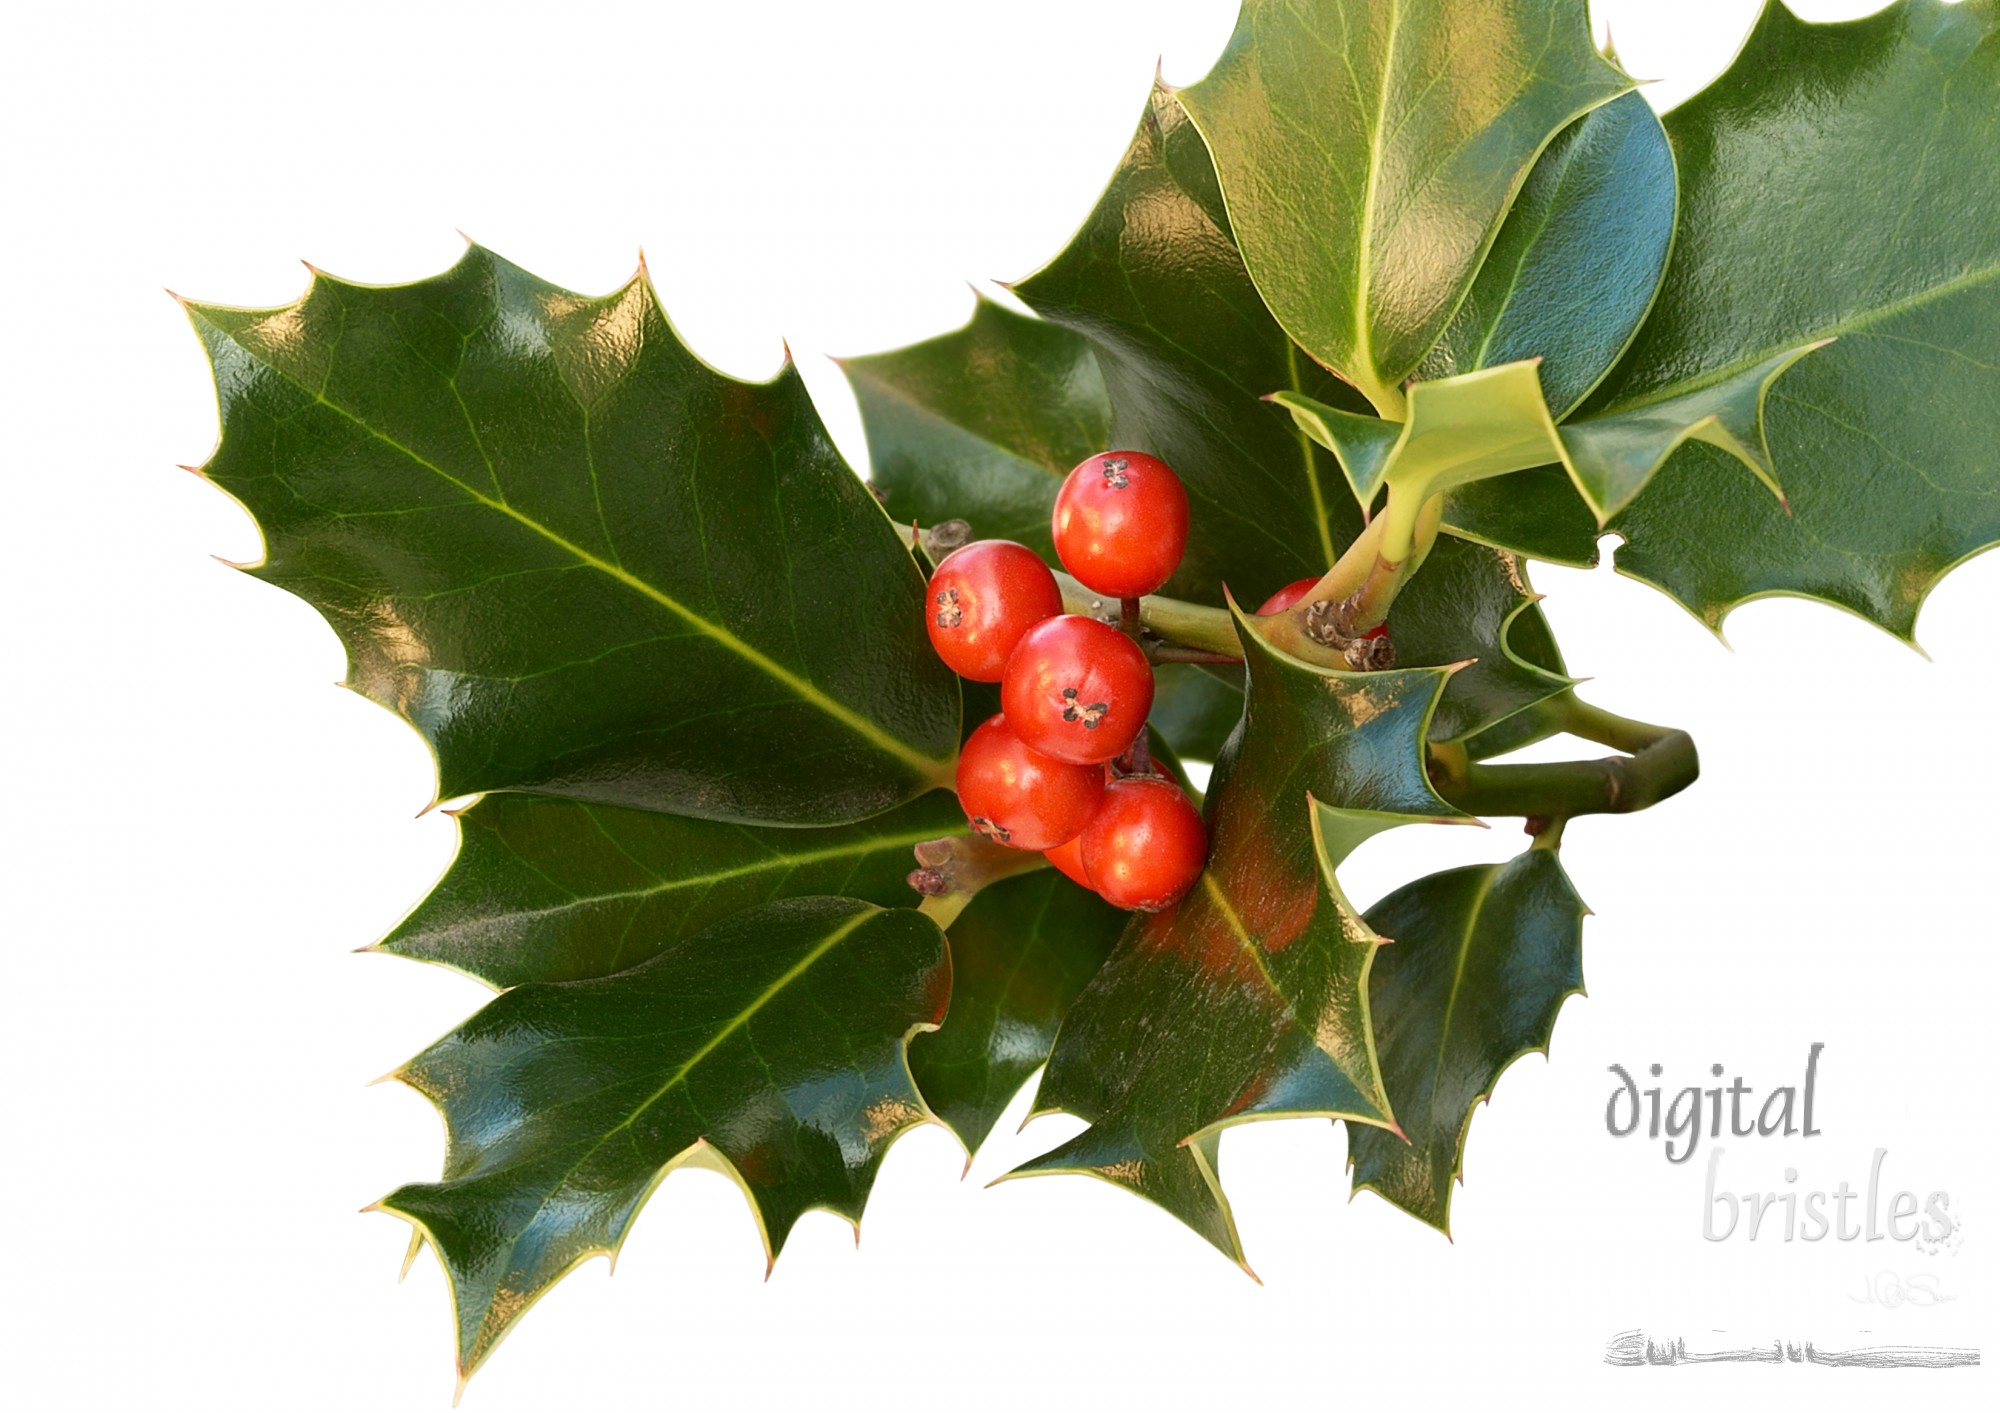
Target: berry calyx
[[1076, 689], [1015, 795], [1068, 858], [1121, 523], [1145, 845], [984, 596]]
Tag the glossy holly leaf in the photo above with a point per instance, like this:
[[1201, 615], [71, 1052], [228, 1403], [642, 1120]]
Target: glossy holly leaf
[[1573, 270], [1154, 281], [1020, 953], [1196, 707], [577, 559], [1611, 455], [1369, 152], [1477, 594], [1461, 429], [1473, 427], [983, 423], [1478, 962], [1536, 512], [771, 1047], [1838, 181], [544, 889], [1248, 999]]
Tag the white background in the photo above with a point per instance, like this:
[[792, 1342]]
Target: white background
[[198, 828]]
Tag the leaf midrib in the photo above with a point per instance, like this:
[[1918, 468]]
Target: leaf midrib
[[799, 686], [1472, 917], [773, 863], [1365, 235]]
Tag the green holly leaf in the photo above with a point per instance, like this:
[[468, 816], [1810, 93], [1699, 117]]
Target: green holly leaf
[[1476, 965], [1370, 151], [545, 889], [1248, 999], [982, 424], [770, 1047], [1612, 455], [1461, 429], [1838, 181], [1573, 270], [1473, 427], [1476, 594], [1154, 281], [1196, 707], [1020, 953], [1536, 512], [578, 560]]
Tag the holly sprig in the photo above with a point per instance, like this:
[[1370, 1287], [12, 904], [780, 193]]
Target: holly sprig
[[1402, 306]]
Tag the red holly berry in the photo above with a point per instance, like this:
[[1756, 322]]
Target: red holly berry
[[1145, 845], [1017, 796], [1077, 689], [1069, 858], [1287, 596], [1121, 523], [984, 596]]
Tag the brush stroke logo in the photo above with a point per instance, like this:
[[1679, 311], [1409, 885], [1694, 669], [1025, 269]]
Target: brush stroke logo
[[1632, 1348]]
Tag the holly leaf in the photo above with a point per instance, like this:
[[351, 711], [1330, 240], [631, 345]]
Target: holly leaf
[[1464, 428], [1370, 151], [1196, 707], [1612, 455], [1154, 281], [544, 889], [1574, 268], [1249, 999], [983, 423], [1838, 181], [1020, 952], [770, 1047], [1473, 427], [1476, 594], [578, 560], [1480, 961], [1536, 512]]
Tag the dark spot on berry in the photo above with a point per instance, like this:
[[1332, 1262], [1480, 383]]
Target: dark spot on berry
[[1113, 469], [1089, 713], [950, 615], [982, 825]]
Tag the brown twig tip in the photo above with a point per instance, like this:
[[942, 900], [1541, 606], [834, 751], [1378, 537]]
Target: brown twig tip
[[947, 535], [933, 853]]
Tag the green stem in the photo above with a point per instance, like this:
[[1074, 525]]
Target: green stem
[[1177, 623], [951, 871], [1661, 763]]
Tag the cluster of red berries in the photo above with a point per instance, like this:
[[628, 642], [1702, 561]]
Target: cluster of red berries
[[1055, 770]]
